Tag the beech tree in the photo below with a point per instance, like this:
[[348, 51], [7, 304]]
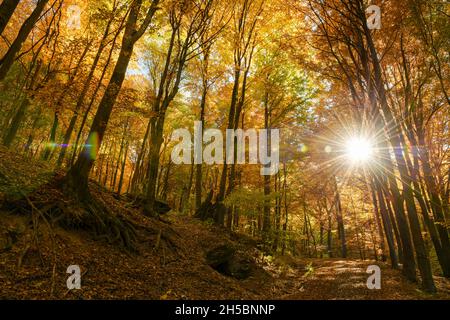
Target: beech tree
[[362, 115]]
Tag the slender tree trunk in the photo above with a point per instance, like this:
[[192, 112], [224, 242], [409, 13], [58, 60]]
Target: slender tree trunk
[[220, 215], [387, 226], [329, 233], [286, 216], [379, 227], [51, 144], [198, 167], [237, 115], [156, 139], [138, 171], [277, 218], [122, 170], [340, 220], [267, 191]]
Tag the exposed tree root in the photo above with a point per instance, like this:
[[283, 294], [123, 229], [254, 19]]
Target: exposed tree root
[[59, 203], [105, 224]]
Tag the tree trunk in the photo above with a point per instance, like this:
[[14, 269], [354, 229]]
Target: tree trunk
[[82, 96], [8, 59], [51, 144], [379, 227], [6, 11], [422, 255], [442, 248], [156, 139], [78, 175], [286, 216], [92, 100], [122, 170], [387, 226], [329, 233], [198, 167], [340, 220]]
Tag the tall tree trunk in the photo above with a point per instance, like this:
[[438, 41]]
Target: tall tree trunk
[[8, 59], [92, 100], [421, 253], [387, 224], [84, 91], [379, 227], [398, 238], [442, 248], [138, 172], [237, 115], [122, 170], [6, 11], [221, 210], [286, 216], [156, 139], [329, 232], [198, 167], [267, 180], [51, 144], [277, 211], [340, 219], [78, 175]]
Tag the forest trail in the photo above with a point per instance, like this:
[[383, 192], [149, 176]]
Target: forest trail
[[336, 279], [295, 278], [344, 279], [170, 263]]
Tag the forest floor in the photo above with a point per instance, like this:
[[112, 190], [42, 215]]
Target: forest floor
[[170, 262]]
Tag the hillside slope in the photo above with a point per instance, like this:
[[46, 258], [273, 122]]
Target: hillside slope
[[170, 262]]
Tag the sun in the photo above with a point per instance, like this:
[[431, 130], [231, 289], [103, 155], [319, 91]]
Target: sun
[[358, 149]]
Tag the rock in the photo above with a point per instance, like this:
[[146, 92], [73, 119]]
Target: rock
[[240, 267], [219, 257], [226, 260], [138, 201], [206, 209], [162, 207]]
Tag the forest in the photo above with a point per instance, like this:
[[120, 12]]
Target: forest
[[224, 149]]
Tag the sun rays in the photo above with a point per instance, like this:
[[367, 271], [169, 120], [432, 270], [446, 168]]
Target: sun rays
[[346, 149], [359, 150]]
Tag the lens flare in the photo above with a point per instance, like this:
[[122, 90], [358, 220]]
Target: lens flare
[[358, 149], [92, 146]]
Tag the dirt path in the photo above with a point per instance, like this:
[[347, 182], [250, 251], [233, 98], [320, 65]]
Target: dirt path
[[346, 279]]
